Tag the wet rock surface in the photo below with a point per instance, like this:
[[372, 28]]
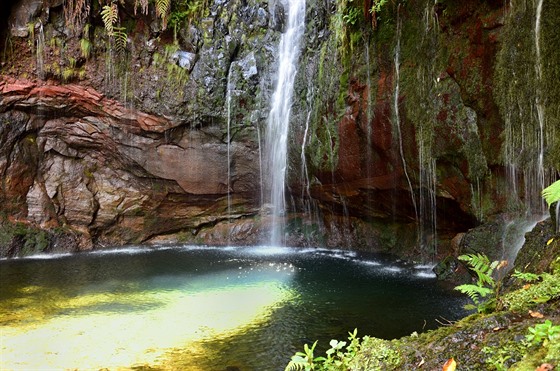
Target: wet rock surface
[[105, 141]]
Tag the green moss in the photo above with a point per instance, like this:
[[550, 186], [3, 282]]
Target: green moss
[[376, 354], [530, 296], [322, 150], [23, 239], [519, 86]]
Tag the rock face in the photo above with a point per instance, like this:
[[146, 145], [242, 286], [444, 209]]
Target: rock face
[[400, 131], [74, 157]]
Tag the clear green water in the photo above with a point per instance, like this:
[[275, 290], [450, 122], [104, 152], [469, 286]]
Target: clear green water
[[187, 308]]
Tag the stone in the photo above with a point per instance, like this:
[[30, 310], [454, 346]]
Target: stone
[[22, 14], [248, 66], [184, 59]]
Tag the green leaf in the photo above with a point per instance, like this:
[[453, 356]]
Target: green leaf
[[551, 194], [109, 15]]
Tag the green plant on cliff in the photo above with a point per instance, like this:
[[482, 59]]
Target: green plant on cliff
[[183, 12], [551, 194], [110, 16], [338, 356], [345, 22], [486, 287], [543, 333]]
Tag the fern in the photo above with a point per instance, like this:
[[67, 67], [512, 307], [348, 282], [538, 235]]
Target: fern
[[485, 285], [294, 366], [162, 10], [120, 39], [304, 360], [474, 292], [551, 194], [481, 265], [109, 15]]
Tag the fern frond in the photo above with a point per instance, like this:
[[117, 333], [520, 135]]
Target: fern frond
[[474, 292], [162, 10], [295, 365], [109, 15], [120, 39], [481, 265], [551, 194]]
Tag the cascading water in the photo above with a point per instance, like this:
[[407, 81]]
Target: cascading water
[[539, 180], [279, 117], [525, 130], [396, 114], [525, 126], [427, 200], [40, 51], [228, 107]]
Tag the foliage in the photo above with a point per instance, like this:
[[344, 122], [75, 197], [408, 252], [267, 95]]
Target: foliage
[[183, 12], [551, 194], [500, 357], [526, 276], [85, 47], [85, 43], [176, 75], [110, 15], [547, 289], [31, 240], [543, 333], [338, 357], [377, 354], [348, 15], [351, 14], [120, 39], [162, 11], [305, 360], [377, 6], [486, 285]]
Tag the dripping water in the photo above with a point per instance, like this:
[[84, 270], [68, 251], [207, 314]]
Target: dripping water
[[396, 114], [40, 51], [540, 109], [305, 191], [228, 138], [278, 122], [427, 200]]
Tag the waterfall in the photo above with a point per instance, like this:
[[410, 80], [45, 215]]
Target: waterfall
[[305, 193], [427, 199], [397, 116], [228, 107], [524, 112], [279, 116], [540, 111], [40, 51]]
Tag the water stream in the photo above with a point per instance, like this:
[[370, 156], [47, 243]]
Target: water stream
[[279, 117], [396, 114], [40, 51], [228, 134], [539, 176], [193, 308]]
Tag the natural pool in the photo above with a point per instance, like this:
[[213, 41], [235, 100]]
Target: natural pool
[[196, 308]]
